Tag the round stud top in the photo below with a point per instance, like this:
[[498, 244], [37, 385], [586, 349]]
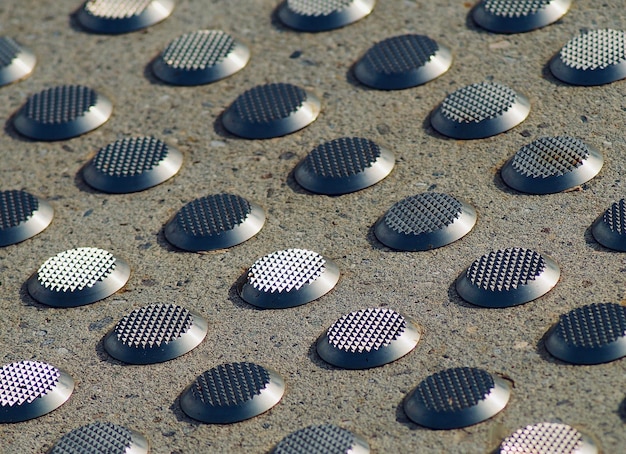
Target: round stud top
[[400, 54], [230, 384], [16, 207], [59, 105], [213, 215], [198, 50], [322, 439], [549, 156], [515, 8], [506, 269], [130, 157], [547, 438], [423, 213], [595, 49], [366, 330], [99, 437], [23, 382], [267, 103], [153, 326], [111, 9], [478, 102], [287, 270]]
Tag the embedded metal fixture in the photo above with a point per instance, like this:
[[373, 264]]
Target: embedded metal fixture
[[517, 16], [16, 61], [425, 221], [101, 438], [122, 16], [22, 216], [610, 229], [548, 438], [322, 439], [322, 15]]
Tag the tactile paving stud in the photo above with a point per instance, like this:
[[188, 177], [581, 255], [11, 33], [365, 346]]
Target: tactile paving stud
[[322, 439], [455, 398], [62, 112], [344, 165], [508, 277], [594, 57], [552, 164], [232, 392], [368, 338], [155, 333], [289, 278], [29, 389], [214, 222], [425, 221], [517, 16], [403, 61], [271, 110], [480, 110], [77, 277], [16, 61], [132, 164], [200, 57], [610, 229], [22, 216], [322, 15], [591, 334], [122, 16], [101, 438], [547, 438]]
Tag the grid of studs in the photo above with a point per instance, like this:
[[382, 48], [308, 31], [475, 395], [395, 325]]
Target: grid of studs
[[344, 157], [506, 269], [198, 50], [366, 330], [615, 217], [595, 49], [23, 382], [76, 269], [550, 156], [213, 215], [478, 102], [284, 271], [116, 9], [97, 437], [268, 103], [16, 207], [61, 104], [229, 385], [455, 389], [323, 439], [423, 213], [317, 7], [541, 438], [153, 326], [130, 157], [515, 8], [400, 54], [9, 50], [593, 326]]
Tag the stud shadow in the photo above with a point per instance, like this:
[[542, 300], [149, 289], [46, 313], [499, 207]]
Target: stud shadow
[[28, 300], [148, 74], [593, 243], [402, 418], [499, 183], [352, 80], [375, 243], [621, 410], [317, 360], [220, 130], [103, 356], [163, 243], [545, 355], [455, 298], [277, 23], [235, 298], [295, 186], [10, 130], [546, 73], [72, 21], [80, 183], [432, 132], [180, 415]]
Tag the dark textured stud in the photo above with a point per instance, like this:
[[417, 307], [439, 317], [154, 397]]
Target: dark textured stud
[[122, 16], [610, 229], [548, 438], [22, 216], [517, 16], [322, 15], [322, 439], [101, 438]]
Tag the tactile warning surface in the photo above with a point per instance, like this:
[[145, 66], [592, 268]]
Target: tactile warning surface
[[547, 438], [322, 439], [516, 16], [101, 437], [122, 16], [322, 15], [22, 215], [610, 228]]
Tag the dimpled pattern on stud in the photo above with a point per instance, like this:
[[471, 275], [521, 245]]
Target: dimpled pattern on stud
[[455, 389], [198, 50], [213, 214], [153, 326], [9, 49], [61, 104], [595, 49], [116, 9], [317, 7], [343, 157], [514, 8], [99, 437], [478, 102], [366, 330], [286, 270], [230, 384], [543, 438], [423, 213], [16, 207], [76, 269], [615, 217], [506, 269], [593, 326], [400, 54], [550, 156], [323, 439], [130, 157], [270, 102], [23, 382]]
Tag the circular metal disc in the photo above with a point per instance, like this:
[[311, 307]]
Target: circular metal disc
[[508, 277], [22, 216], [132, 164], [403, 61], [552, 164], [122, 16], [16, 62], [610, 229], [214, 222], [548, 438], [29, 389], [62, 112], [322, 15], [200, 57], [155, 333], [591, 334], [101, 438], [517, 16], [322, 439], [480, 110], [368, 338], [271, 110], [344, 165], [232, 392], [77, 277], [455, 398], [289, 278], [594, 57], [425, 221]]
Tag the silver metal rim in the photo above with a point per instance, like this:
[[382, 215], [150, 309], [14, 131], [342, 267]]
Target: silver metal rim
[[20, 68], [607, 237], [519, 24], [154, 13], [354, 12], [34, 225]]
